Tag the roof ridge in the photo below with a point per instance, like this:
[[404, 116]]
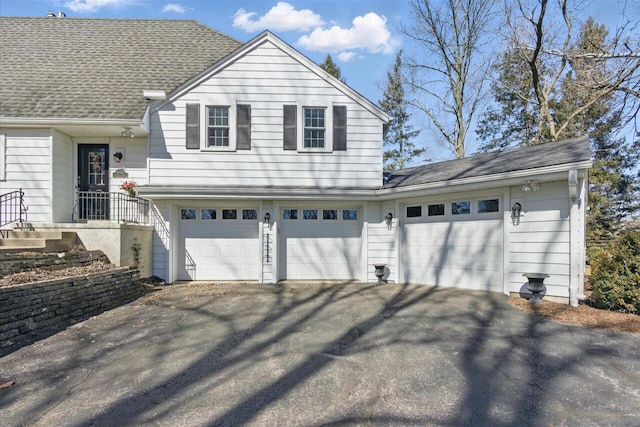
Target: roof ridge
[[213, 30], [494, 153], [80, 18]]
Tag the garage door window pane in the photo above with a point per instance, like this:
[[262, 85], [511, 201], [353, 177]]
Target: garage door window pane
[[436, 210], [208, 214], [290, 214], [329, 214], [310, 214], [350, 214], [461, 208], [490, 205], [249, 214], [229, 214], [414, 211], [188, 213]]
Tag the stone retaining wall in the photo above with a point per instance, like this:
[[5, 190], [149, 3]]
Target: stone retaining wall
[[32, 309], [16, 262]]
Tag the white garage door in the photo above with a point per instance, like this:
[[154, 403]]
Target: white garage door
[[319, 244], [461, 249], [218, 244]]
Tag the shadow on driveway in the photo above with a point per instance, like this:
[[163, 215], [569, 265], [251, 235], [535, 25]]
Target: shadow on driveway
[[323, 354]]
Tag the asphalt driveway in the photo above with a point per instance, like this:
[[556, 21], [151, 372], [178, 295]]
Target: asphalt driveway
[[322, 354]]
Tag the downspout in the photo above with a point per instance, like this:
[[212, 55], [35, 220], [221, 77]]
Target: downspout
[[576, 197]]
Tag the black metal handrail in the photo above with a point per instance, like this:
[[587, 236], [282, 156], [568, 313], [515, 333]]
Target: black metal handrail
[[118, 207], [12, 208]]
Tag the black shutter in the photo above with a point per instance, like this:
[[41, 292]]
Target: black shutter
[[339, 128], [290, 129], [193, 126], [243, 127]]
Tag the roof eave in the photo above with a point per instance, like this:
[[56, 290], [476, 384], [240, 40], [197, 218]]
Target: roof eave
[[196, 193], [8, 121], [252, 44], [504, 179]]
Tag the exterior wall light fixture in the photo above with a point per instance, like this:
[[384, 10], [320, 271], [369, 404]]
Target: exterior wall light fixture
[[388, 218], [267, 217], [516, 209], [531, 186]]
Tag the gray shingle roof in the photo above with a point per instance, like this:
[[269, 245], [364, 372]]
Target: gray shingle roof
[[98, 68], [553, 153]]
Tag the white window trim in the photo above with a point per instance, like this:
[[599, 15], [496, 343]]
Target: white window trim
[[463, 200], [219, 213], [3, 158], [320, 217], [448, 215], [485, 214], [414, 218], [426, 209], [328, 123], [204, 132]]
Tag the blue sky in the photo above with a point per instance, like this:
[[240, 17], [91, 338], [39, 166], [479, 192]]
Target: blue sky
[[362, 36]]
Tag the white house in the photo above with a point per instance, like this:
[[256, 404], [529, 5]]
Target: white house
[[260, 166]]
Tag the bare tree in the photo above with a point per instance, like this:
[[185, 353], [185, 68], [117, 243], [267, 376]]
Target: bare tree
[[446, 79], [541, 33]]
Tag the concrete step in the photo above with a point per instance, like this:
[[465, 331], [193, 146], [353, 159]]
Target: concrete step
[[22, 242], [38, 241], [37, 234]]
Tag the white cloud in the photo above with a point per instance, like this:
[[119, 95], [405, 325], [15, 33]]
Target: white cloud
[[174, 7], [281, 17], [346, 56], [94, 5], [369, 32]]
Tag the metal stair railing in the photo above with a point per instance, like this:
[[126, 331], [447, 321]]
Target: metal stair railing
[[12, 209], [117, 207]]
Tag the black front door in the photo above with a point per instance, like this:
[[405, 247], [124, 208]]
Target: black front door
[[93, 181]]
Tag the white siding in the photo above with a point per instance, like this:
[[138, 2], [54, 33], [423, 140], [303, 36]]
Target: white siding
[[268, 237], [540, 242], [382, 241], [134, 164], [28, 166], [381, 249], [265, 78], [161, 214], [62, 178]]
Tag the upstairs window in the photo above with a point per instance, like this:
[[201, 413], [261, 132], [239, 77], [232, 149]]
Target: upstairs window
[[314, 127], [217, 126]]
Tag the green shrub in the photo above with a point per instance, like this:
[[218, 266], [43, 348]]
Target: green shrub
[[595, 254], [616, 274]]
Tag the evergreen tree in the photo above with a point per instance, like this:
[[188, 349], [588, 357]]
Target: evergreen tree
[[515, 121], [398, 135], [332, 68], [611, 185], [512, 119]]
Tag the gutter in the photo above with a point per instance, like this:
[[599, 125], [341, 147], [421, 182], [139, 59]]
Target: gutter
[[548, 173], [7, 121], [191, 193], [551, 173]]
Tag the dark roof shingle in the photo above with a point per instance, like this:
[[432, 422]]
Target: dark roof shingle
[[572, 150], [98, 68]]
